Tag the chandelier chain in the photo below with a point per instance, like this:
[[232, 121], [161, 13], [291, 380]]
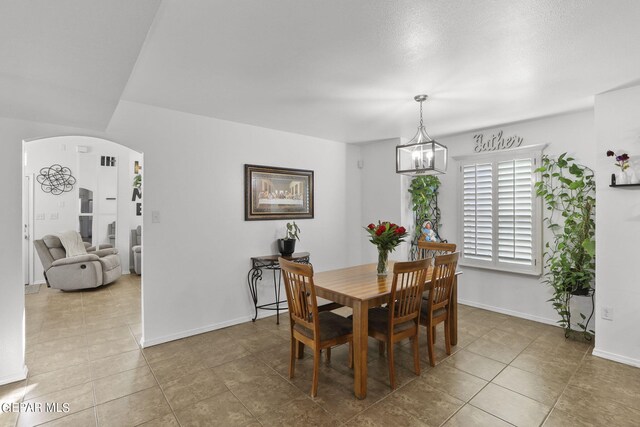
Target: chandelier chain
[[421, 125]]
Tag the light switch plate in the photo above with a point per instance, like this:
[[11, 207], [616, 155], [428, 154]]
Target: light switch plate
[[40, 216], [53, 215]]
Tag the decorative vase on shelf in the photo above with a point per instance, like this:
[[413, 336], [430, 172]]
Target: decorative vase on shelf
[[383, 262], [621, 178], [632, 178]]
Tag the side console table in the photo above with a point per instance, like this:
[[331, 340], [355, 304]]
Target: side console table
[[270, 262]]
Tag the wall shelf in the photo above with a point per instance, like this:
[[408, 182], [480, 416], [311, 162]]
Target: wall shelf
[[624, 185]]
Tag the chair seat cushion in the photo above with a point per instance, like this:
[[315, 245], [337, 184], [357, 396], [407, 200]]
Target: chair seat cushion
[[332, 326], [110, 262], [437, 313], [379, 321]]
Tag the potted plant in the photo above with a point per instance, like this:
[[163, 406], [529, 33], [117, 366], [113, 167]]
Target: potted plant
[[386, 236], [568, 191], [287, 246]]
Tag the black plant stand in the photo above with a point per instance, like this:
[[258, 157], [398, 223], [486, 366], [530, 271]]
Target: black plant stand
[[270, 262]]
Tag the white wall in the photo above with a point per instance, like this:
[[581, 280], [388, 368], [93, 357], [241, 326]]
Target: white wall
[[60, 212], [385, 194], [514, 294], [618, 228], [12, 133], [197, 258]]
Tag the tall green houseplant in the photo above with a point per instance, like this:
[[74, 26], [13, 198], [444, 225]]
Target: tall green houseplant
[[424, 202], [568, 191]]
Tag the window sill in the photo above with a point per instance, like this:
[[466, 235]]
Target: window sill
[[501, 269]]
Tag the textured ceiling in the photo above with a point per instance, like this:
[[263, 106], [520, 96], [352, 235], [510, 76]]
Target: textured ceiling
[[342, 70], [68, 61], [348, 70]]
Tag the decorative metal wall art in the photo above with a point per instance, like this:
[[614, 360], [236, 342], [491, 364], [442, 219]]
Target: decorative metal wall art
[[56, 179], [496, 142]]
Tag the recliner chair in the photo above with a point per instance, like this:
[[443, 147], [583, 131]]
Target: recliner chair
[[136, 249], [96, 268]]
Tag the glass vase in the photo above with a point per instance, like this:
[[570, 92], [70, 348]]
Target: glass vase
[[383, 262]]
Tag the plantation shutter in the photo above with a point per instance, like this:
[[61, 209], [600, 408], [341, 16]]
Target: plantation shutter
[[515, 211], [477, 211]]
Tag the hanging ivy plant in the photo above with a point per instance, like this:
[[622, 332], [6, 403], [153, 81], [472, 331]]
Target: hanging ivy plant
[[424, 201], [568, 191]]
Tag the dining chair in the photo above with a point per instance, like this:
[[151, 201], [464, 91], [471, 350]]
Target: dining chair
[[435, 309], [430, 250], [400, 318], [316, 329]]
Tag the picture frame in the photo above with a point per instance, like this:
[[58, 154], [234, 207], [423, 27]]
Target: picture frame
[[272, 193]]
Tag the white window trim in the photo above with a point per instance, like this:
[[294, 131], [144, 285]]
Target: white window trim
[[534, 151]]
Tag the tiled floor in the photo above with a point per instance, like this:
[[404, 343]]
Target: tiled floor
[[81, 350]]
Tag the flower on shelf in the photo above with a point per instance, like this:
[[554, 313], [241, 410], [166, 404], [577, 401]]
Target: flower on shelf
[[622, 161], [386, 235]]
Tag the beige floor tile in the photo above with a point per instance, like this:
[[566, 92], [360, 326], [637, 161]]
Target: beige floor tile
[[61, 345], [78, 398], [61, 379], [609, 380], [113, 347], [454, 382], [544, 389], [165, 351], [192, 388], [426, 404], [268, 392], [470, 416], [385, 414], [168, 420], [475, 364], [560, 369], [510, 406], [134, 409], [85, 418], [123, 384], [13, 392], [301, 411], [180, 364], [558, 418], [590, 408], [107, 335], [48, 362], [115, 364], [221, 410]]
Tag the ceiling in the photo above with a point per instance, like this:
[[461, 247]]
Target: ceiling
[[68, 61], [341, 70]]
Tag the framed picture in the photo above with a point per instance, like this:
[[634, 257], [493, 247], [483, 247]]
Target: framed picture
[[277, 193]]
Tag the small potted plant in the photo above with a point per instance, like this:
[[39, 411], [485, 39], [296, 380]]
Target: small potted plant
[[287, 246]]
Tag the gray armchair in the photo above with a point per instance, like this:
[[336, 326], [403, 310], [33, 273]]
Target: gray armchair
[[96, 268], [136, 250]]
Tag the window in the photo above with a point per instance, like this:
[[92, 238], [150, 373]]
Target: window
[[500, 221]]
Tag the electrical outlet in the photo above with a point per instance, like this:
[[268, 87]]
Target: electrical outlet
[[155, 217], [607, 313]]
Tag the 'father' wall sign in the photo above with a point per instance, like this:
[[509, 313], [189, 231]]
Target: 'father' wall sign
[[496, 142]]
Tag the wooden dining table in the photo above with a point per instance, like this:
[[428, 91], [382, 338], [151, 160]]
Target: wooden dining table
[[361, 288]]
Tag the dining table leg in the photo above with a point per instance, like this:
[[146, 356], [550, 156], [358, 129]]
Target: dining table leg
[[453, 313], [360, 346]]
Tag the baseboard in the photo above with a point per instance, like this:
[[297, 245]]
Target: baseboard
[[144, 343], [509, 312], [616, 357], [18, 376], [40, 282]]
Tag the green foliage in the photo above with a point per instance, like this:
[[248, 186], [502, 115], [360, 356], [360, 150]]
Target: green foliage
[[292, 231], [424, 201], [568, 191]]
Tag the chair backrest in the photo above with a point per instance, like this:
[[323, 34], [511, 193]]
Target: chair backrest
[[444, 271], [430, 250], [406, 291], [301, 295]]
